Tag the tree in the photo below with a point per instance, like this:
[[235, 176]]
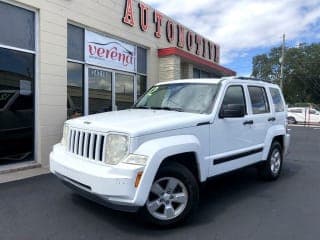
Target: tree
[[301, 71]]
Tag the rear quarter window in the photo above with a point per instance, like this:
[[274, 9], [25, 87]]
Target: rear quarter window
[[277, 100]]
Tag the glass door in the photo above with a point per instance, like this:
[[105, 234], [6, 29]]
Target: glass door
[[99, 90], [124, 91]]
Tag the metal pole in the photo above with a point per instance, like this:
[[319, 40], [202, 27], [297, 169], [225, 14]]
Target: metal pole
[[282, 61]]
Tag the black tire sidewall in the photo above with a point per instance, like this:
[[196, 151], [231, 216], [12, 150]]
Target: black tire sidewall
[[186, 177], [274, 146], [265, 169]]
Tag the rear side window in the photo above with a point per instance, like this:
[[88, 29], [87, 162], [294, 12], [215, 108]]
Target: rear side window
[[295, 110], [277, 100], [234, 96], [259, 100]]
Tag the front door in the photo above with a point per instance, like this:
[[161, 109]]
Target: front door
[[231, 137]]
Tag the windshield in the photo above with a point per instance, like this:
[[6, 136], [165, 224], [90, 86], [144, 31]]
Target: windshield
[[183, 97]]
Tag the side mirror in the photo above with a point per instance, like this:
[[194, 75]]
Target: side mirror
[[232, 111]]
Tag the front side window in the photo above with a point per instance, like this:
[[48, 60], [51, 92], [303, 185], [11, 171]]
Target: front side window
[[277, 100], [184, 97], [234, 96], [259, 100]]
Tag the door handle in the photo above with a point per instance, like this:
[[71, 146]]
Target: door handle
[[249, 122], [272, 119]]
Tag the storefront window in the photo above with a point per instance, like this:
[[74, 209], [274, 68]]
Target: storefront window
[[97, 77], [75, 99], [75, 43], [16, 27], [17, 75], [198, 73], [142, 60], [124, 91], [100, 91], [75, 90], [141, 85], [16, 106]]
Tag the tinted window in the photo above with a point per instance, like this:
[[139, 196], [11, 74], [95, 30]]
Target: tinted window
[[124, 91], [142, 60], [75, 90], [295, 110], [100, 89], [234, 96], [141, 85], [17, 27], [259, 100], [277, 100], [75, 42], [16, 106]]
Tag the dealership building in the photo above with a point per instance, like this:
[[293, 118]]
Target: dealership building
[[60, 59]]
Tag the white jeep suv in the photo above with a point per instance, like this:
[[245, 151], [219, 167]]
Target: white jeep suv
[[154, 156]]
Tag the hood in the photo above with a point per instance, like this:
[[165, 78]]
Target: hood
[[137, 122]]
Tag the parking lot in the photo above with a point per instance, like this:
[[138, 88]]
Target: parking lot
[[234, 206]]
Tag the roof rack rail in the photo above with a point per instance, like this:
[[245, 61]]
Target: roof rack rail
[[252, 78]]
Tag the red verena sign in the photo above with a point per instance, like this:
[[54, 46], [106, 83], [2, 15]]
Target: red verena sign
[[110, 53], [194, 43]]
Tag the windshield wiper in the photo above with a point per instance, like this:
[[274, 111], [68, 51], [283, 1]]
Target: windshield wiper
[[168, 109], [159, 108], [141, 107]]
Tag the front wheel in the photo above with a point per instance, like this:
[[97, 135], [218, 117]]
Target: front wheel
[[271, 169], [173, 197]]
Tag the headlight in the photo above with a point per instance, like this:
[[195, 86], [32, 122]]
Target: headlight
[[117, 148], [136, 160], [65, 135]]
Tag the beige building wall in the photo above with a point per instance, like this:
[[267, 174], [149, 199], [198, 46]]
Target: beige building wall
[[102, 16]]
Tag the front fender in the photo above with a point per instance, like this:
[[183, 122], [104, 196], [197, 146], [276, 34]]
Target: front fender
[[159, 149]]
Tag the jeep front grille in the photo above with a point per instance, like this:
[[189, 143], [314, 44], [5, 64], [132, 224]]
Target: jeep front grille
[[87, 144]]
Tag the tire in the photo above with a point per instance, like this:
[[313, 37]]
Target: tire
[[270, 169], [292, 120], [178, 193]]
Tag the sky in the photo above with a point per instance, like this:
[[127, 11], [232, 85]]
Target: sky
[[246, 28]]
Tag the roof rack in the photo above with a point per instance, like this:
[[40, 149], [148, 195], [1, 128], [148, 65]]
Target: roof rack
[[251, 78]]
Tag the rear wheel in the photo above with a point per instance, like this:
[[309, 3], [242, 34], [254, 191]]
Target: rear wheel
[[173, 197], [271, 169]]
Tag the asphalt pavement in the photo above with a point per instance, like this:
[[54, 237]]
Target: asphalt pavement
[[234, 206]]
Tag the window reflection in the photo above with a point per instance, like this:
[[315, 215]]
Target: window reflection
[[124, 91], [75, 90], [100, 89], [16, 106]]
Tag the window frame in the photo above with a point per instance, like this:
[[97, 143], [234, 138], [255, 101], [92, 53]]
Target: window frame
[[266, 98]]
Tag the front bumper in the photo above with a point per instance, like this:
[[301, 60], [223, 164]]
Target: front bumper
[[112, 185]]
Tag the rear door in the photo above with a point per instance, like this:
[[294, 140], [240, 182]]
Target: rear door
[[260, 113]]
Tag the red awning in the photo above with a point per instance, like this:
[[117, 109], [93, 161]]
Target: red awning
[[164, 52]]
